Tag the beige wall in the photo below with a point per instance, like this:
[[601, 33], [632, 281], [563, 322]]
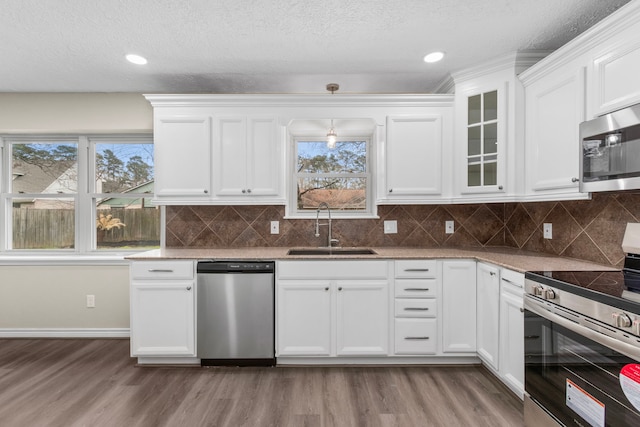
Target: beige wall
[[74, 113], [44, 297]]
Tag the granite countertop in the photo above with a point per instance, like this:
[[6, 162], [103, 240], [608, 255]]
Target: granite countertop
[[505, 257]]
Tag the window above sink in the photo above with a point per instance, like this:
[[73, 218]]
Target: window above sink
[[340, 175]]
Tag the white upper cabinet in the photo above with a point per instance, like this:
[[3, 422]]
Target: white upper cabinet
[[616, 62], [489, 130], [248, 160], [414, 156], [182, 148], [554, 109]]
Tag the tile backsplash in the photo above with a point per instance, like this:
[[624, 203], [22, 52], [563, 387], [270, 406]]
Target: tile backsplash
[[591, 230]]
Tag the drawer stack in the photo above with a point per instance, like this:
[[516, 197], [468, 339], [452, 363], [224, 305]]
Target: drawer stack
[[415, 318]]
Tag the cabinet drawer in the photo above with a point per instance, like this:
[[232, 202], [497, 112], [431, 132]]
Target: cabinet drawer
[[415, 288], [416, 336], [143, 270], [416, 268], [416, 307]]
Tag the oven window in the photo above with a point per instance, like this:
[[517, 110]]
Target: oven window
[[575, 378]]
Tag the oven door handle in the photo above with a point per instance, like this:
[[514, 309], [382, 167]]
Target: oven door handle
[[622, 347]]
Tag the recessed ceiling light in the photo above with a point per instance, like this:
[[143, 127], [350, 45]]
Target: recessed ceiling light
[[136, 59], [434, 57]]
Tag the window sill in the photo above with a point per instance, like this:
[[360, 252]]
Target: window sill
[[64, 259]]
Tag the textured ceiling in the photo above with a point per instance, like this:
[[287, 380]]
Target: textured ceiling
[[271, 46]]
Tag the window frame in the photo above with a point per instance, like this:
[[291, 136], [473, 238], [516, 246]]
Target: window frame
[[85, 198], [292, 210]]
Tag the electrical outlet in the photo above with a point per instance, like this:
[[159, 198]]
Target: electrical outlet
[[391, 227], [547, 230], [275, 227], [448, 227], [91, 301]]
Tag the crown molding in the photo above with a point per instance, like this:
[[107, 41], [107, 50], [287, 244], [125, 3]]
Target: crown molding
[[297, 100], [516, 61], [585, 43]]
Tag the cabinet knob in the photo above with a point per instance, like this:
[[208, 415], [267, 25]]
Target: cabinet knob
[[391, 190], [340, 288], [244, 191], [326, 289], [188, 288], [499, 187], [574, 180], [492, 273], [248, 190], [206, 191]]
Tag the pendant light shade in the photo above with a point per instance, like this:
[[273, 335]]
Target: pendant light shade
[[331, 137]]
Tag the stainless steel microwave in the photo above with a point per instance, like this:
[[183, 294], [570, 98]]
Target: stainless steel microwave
[[610, 151]]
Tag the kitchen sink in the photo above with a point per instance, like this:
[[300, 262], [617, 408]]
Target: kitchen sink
[[331, 251]]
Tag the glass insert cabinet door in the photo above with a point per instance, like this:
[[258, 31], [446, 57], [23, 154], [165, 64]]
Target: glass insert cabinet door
[[482, 140]]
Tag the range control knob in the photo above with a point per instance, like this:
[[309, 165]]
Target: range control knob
[[538, 291], [549, 294], [621, 320]]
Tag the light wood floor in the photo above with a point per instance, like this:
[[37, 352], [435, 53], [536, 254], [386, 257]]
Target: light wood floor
[[96, 383]]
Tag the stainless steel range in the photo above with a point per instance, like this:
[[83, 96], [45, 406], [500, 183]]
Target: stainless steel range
[[582, 346]]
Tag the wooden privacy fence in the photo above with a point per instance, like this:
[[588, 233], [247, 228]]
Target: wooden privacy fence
[[55, 228]]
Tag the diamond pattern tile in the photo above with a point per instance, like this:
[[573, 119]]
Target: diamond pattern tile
[[586, 229]]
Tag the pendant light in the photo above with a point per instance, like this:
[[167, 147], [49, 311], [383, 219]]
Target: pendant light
[[331, 135]]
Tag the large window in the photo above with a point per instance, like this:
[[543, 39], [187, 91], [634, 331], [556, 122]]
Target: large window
[[338, 176], [78, 194]]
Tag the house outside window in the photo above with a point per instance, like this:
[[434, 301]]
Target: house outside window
[[77, 194]]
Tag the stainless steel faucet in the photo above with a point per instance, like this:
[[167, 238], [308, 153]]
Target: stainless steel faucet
[[330, 241]]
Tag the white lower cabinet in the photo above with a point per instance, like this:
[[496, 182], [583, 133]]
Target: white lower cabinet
[[163, 309], [488, 314], [304, 317], [512, 331], [332, 308], [362, 317], [416, 336], [459, 306], [415, 320]]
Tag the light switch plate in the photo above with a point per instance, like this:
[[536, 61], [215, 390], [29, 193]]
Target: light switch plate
[[391, 227], [448, 227], [547, 230], [275, 227]]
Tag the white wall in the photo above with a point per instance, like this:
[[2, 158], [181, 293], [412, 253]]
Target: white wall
[[38, 299]]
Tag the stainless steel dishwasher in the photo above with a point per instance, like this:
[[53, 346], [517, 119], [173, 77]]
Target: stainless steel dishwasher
[[236, 313]]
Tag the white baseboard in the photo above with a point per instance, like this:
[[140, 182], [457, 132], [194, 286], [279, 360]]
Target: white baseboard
[[64, 332]]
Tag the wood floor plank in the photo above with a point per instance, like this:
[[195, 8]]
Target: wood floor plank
[[95, 383]]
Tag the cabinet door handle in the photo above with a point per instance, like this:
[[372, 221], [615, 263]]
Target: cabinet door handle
[[340, 288], [159, 270], [206, 191], [493, 273], [391, 190], [416, 309], [521, 310], [188, 288], [410, 270], [416, 338], [574, 180], [417, 289], [326, 289], [511, 282], [532, 337], [500, 187]]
